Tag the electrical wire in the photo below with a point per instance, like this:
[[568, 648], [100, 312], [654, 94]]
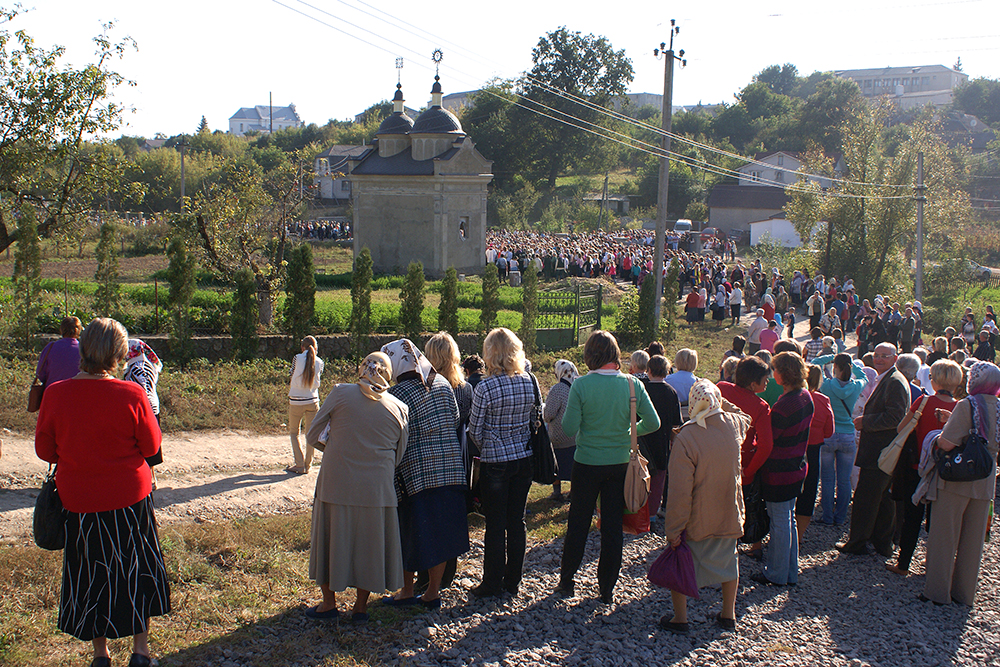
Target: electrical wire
[[630, 142]]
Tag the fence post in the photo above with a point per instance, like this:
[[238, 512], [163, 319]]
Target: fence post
[[576, 323], [600, 292], [156, 304]]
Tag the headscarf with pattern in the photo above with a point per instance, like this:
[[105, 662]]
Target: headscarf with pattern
[[138, 349], [704, 401], [405, 357], [984, 378], [566, 370], [374, 375]]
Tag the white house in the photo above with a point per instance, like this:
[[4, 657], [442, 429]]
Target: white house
[[778, 169], [331, 170], [263, 118], [908, 87], [775, 230]]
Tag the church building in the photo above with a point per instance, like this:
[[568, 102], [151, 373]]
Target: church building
[[419, 193]]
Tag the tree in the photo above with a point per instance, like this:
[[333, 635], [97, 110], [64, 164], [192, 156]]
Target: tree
[[780, 79], [107, 297], [448, 308], [671, 287], [27, 274], [980, 98], [411, 306], [569, 64], [243, 322], [180, 275], [529, 303], [647, 302], [300, 287], [491, 300], [361, 302], [48, 110], [863, 226], [203, 126], [242, 220]]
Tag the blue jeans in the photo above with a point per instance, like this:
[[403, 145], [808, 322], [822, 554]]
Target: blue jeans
[[782, 565], [836, 462]]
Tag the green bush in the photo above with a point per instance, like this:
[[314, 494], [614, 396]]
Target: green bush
[[243, 327], [411, 299]]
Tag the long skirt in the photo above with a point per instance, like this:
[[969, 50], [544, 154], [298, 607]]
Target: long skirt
[[715, 560], [114, 578], [564, 458], [433, 527], [355, 547]]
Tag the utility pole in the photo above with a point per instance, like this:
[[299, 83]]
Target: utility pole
[[661, 203], [182, 144], [270, 113], [920, 199]]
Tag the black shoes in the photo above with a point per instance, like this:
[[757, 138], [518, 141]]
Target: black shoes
[[564, 589], [484, 591], [101, 662], [853, 551], [676, 628], [138, 661], [725, 623]]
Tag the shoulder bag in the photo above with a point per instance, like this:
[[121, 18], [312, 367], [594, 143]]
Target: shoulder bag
[[543, 456], [49, 523], [35, 395], [889, 457], [637, 475], [971, 460]]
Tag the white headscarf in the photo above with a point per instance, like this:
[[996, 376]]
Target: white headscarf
[[704, 401], [405, 357], [374, 375], [566, 370]]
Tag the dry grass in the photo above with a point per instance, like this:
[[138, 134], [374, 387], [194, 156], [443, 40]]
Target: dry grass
[[237, 591]]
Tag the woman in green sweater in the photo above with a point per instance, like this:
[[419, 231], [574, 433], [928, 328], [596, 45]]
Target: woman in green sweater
[[598, 414]]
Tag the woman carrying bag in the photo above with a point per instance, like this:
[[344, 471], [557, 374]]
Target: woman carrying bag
[[704, 499], [961, 509], [598, 414]]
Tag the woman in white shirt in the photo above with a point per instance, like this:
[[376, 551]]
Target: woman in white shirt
[[303, 401]]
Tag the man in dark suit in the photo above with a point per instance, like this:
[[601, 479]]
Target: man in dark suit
[[873, 512]]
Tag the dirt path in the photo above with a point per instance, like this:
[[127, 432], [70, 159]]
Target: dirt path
[[205, 476]]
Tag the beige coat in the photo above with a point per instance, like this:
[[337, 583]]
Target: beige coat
[[367, 441], [704, 494]]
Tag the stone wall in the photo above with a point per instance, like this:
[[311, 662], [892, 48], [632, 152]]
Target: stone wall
[[220, 348]]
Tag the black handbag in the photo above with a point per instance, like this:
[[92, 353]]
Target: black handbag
[[49, 522], [756, 522], [545, 469], [971, 460]]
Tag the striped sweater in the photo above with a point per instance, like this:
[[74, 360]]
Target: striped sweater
[[785, 468]]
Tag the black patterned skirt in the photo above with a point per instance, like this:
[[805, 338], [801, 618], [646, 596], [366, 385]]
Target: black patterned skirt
[[114, 578]]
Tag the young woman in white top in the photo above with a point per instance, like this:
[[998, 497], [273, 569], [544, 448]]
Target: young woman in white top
[[303, 400]]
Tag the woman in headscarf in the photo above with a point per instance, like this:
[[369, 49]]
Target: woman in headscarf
[[691, 306], [430, 478], [355, 527], [960, 510], [702, 303], [502, 407], [720, 306], [767, 303], [705, 499], [830, 321], [143, 367], [555, 407], [781, 302]]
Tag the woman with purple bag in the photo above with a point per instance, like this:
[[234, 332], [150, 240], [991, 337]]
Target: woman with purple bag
[[705, 499]]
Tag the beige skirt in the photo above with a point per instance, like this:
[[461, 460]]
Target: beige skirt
[[715, 560], [355, 547]]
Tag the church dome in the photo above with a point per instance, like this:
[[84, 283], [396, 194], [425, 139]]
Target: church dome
[[437, 120], [396, 123]]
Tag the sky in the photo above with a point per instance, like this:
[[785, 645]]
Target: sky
[[334, 58]]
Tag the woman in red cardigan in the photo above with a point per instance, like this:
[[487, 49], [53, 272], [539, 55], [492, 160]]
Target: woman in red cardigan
[[100, 430]]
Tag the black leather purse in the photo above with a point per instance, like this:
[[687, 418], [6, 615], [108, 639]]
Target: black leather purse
[[543, 456], [49, 522], [971, 460]]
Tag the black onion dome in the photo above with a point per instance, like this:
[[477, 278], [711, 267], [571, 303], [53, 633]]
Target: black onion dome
[[397, 123], [437, 120]]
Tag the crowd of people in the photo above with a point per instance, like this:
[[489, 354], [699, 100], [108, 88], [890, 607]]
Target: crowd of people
[[423, 436], [320, 230]]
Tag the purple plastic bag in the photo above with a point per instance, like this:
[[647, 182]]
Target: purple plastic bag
[[674, 569]]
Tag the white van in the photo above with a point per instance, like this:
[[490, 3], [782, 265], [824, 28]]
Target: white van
[[682, 226]]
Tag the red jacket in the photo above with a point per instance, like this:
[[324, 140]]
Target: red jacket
[[100, 433], [758, 443], [821, 426]]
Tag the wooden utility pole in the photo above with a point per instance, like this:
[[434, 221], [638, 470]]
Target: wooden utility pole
[[661, 203]]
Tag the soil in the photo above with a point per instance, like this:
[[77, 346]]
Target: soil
[[205, 476]]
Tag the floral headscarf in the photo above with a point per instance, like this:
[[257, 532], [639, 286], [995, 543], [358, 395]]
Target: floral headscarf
[[984, 378], [139, 351], [566, 370], [375, 374], [405, 357], [704, 401]]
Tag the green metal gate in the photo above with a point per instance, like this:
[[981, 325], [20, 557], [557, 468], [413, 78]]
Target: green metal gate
[[563, 317]]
